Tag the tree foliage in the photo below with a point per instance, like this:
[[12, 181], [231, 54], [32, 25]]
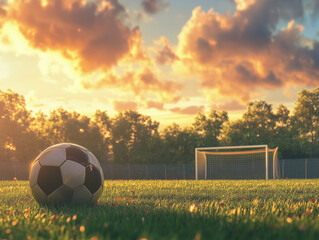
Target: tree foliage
[[256, 126], [179, 144], [15, 132], [133, 136], [210, 127], [306, 120]]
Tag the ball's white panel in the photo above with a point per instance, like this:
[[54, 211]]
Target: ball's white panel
[[73, 174], [60, 145], [53, 157], [62, 195], [56, 146], [33, 176], [81, 195], [97, 195], [93, 160], [39, 195]]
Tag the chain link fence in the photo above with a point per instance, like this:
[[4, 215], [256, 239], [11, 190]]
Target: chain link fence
[[149, 171], [289, 169], [299, 168]]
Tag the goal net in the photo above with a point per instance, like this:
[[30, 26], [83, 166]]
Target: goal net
[[237, 162]]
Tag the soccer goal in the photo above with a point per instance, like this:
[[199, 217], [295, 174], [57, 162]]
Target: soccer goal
[[236, 162]]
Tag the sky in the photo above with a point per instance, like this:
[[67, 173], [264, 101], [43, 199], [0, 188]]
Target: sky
[[166, 59]]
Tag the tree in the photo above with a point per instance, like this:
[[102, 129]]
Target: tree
[[179, 144], [255, 127], [133, 136], [210, 127], [285, 135], [15, 132], [234, 133], [63, 126], [38, 127], [103, 121], [306, 120]]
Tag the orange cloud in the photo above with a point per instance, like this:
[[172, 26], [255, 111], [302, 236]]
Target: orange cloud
[[92, 34], [229, 106], [140, 83], [94, 37], [156, 105], [2, 11], [166, 54], [191, 110], [124, 105], [239, 55]]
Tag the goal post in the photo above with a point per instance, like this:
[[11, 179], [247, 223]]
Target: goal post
[[237, 162]]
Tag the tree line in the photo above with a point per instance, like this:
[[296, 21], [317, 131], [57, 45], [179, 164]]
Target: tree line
[[131, 137]]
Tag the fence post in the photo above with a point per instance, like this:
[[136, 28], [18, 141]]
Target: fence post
[[283, 168], [165, 169], [146, 171], [129, 171], [306, 168]]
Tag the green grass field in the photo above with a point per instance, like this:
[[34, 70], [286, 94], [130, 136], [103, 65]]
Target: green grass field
[[275, 209]]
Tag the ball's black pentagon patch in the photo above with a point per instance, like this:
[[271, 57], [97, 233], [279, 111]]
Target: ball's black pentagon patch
[[92, 178], [78, 155], [49, 179], [78, 146]]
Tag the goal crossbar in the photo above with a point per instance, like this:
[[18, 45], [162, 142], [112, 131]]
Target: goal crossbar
[[238, 152], [232, 147], [234, 150]]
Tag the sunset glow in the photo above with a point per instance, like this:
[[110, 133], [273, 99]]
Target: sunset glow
[[166, 59]]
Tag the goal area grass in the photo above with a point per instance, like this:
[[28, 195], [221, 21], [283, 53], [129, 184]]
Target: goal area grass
[[162, 209]]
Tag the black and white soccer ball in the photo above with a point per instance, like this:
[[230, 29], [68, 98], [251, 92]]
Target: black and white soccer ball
[[66, 173]]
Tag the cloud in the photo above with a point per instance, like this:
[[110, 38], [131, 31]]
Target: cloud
[[91, 34], [124, 105], [240, 55], [90, 41], [166, 54], [156, 105], [229, 106], [94, 38], [154, 6], [188, 110], [3, 12], [142, 83]]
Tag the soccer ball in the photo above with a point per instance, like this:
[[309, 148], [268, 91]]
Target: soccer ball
[[66, 173]]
